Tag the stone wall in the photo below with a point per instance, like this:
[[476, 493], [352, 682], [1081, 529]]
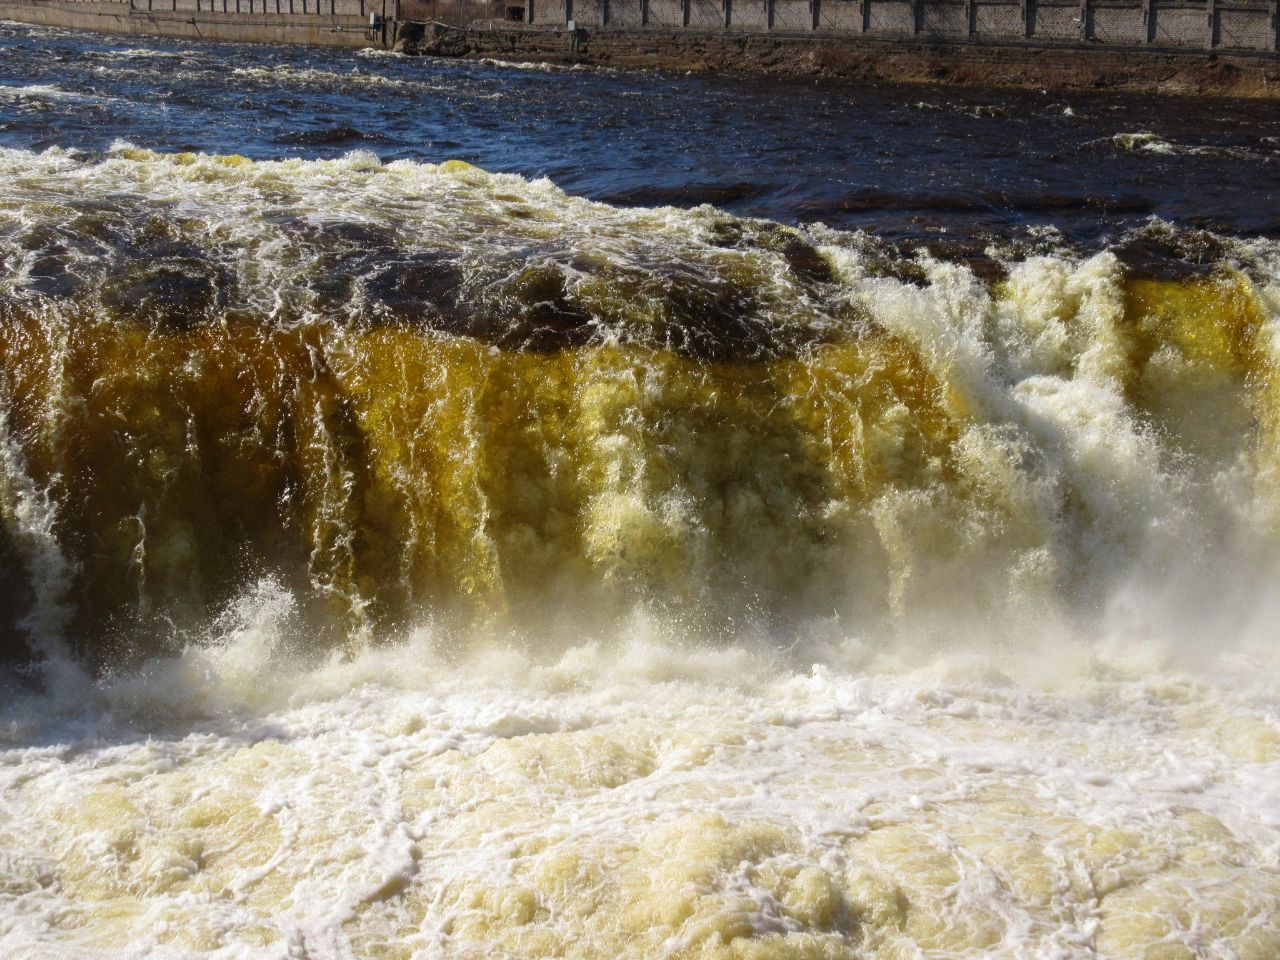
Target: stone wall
[[1060, 65], [854, 29], [1229, 25], [457, 12], [326, 23]]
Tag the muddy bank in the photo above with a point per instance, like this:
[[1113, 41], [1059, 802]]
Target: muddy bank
[[865, 60]]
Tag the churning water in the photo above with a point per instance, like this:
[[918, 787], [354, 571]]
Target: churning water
[[405, 558]]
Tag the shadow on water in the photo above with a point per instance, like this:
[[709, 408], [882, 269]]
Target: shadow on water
[[16, 590]]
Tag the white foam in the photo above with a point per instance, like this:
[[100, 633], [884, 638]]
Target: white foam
[[954, 757]]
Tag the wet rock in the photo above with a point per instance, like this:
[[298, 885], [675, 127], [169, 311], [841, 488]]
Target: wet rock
[[175, 295], [432, 40], [14, 585], [535, 311], [423, 289], [1160, 254], [806, 262]]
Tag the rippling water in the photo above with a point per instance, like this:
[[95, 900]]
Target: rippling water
[[459, 510], [908, 162]]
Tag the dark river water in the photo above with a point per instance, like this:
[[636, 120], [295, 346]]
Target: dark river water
[[909, 163]]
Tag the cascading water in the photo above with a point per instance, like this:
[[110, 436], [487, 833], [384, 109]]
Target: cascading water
[[410, 561], [412, 390], [436, 413]]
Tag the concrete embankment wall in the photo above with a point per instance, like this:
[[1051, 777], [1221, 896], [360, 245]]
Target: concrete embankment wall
[[1229, 25], [1219, 47], [458, 12], [330, 23], [874, 60]]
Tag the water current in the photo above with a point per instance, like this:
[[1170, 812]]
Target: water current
[[468, 510]]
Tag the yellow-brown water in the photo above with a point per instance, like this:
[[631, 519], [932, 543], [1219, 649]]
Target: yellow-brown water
[[470, 570]]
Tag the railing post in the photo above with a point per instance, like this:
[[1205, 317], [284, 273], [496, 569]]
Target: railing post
[[1148, 22], [768, 13], [728, 14], [970, 18], [815, 7], [644, 12], [686, 12], [1275, 26], [1084, 20], [1211, 38], [865, 9], [604, 13]]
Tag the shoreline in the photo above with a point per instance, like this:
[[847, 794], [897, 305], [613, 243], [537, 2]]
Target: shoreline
[[868, 60]]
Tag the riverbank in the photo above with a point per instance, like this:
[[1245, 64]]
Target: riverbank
[[866, 60]]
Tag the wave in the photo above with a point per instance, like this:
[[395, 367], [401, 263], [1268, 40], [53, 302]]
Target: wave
[[543, 67], [42, 91], [311, 77], [134, 53], [1145, 142], [978, 111]]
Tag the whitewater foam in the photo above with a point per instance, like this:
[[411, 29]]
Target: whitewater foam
[[640, 800], [471, 570]]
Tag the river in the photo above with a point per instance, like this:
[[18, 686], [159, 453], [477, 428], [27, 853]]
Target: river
[[467, 510]]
